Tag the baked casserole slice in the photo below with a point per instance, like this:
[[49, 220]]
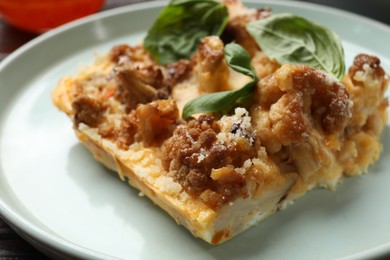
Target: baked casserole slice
[[218, 174]]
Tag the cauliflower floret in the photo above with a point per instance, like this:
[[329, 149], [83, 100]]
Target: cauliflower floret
[[212, 70], [301, 111]]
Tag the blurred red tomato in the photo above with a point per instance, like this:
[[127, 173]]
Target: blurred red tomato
[[41, 15]]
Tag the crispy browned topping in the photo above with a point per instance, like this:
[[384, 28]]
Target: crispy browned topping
[[107, 130], [366, 82], [150, 123], [296, 100], [119, 51], [156, 121], [329, 99], [88, 111], [141, 79], [359, 64], [127, 131], [211, 48], [178, 71], [205, 166], [140, 85], [132, 53]]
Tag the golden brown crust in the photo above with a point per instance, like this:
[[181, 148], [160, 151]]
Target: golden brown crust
[[366, 83], [88, 111], [203, 165], [156, 121], [359, 63], [295, 100], [139, 85]]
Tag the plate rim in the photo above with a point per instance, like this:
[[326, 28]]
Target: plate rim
[[56, 246]]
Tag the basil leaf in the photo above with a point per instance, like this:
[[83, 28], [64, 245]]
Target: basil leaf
[[238, 59], [181, 25], [292, 39]]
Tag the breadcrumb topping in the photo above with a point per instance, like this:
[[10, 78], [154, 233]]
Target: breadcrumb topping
[[235, 127]]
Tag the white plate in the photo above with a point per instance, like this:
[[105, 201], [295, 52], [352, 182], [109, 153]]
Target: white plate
[[65, 203]]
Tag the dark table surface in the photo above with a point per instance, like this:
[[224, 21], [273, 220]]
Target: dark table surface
[[14, 247]]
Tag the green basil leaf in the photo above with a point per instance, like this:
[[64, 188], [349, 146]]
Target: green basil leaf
[[181, 25], [238, 59], [292, 39]]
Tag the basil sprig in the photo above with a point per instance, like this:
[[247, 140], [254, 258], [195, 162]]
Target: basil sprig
[[181, 25], [238, 59], [292, 39]]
